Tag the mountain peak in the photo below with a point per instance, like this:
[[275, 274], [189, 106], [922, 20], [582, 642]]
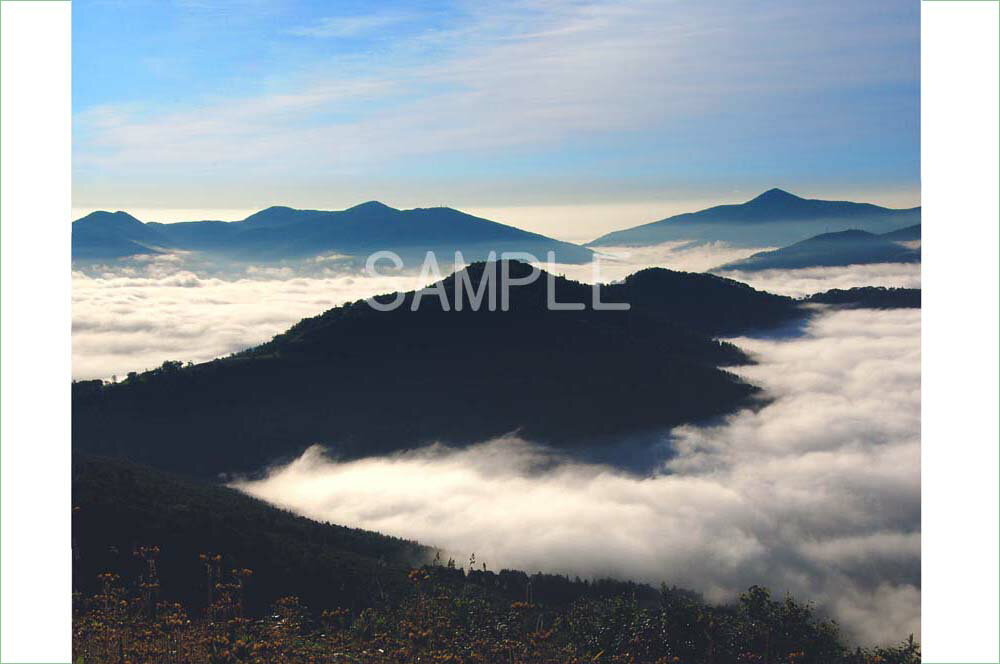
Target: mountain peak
[[105, 218], [373, 206], [269, 212], [775, 195], [280, 215]]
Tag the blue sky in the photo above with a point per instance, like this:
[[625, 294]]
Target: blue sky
[[216, 107]]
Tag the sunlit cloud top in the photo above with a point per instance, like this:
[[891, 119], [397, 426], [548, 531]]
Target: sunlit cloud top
[[240, 104]]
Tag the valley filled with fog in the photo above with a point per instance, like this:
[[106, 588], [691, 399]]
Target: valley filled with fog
[[817, 493], [814, 492]]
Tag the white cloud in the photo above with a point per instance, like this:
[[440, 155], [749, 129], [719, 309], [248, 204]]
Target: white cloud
[[133, 319], [817, 493]]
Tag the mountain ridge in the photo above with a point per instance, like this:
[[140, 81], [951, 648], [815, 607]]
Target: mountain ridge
[[281, 233], [840, 248], [772, 217]]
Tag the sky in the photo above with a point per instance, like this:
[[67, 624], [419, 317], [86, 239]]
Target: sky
[[566, 117]]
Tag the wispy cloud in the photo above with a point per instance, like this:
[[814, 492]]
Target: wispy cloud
[[350, 26], [648, 87]]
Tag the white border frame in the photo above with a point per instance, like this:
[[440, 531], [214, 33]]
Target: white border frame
[[961, 607]]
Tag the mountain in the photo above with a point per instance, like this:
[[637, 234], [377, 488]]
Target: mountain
[[283, 234], [853, 247], [367, 382], [774, 218], [869, 297], [109, 235]]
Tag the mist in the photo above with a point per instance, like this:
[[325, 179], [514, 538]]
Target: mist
[[816, 493]]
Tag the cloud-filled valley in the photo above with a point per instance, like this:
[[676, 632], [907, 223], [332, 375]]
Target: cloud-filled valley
[[817, 493]]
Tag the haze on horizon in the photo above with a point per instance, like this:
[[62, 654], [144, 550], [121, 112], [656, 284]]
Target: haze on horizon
[[561, 117]]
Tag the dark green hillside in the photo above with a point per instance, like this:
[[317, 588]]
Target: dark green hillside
[[869, 297], [707, 303], [365, 382]]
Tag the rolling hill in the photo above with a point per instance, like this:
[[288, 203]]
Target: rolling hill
[[367, 382], [852, 247], [286, 234], [774, 218]]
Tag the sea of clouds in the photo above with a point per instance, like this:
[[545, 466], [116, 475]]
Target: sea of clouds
[[817, 493], [132, 317]]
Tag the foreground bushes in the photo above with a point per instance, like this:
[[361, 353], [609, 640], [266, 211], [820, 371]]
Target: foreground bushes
[[450, 616]]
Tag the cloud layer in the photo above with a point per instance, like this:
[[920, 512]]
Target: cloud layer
[[134, 319], [175, 307], [817, 493]]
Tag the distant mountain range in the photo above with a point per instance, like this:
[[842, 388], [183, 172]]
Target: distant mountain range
[[853, 247], [287, 234], [775, 218], [367, 382], [279, 234]]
